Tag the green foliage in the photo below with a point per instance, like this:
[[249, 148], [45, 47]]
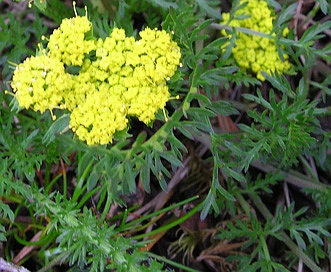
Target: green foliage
[[279, 129], [13, 38], [255, 234], [305, 46], [68, 188]]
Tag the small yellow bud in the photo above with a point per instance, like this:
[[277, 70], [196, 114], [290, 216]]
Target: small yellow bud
[[74, 6]]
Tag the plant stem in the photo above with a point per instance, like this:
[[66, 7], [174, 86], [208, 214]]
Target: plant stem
[[292, 177], [170, 224], [311, 172], [165, 260], [54, 262], [286, 239], [265, 248]]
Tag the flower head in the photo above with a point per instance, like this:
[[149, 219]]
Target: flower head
[[40, 82], [98, 118], [68, 43], [255, 53], [158, 54], [136, 71], [144, 102], [124, 78]]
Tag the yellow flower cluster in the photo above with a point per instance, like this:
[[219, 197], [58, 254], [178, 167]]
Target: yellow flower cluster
[[40, 82], [68, 43], [117, 77], [255, 53]]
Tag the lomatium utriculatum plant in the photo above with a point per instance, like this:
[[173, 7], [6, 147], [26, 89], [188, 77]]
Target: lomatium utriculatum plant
[[118, 77], [115, 125]]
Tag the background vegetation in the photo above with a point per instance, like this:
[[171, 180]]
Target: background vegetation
[[237, 178]]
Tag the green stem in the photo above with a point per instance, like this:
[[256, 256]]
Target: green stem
[[309, 169], [54, 262], [106, 208], [49, 185], [243, 203], [133, 223], [170, 225], [242, 29], [286, 239], [265, 248], [165, 260], [292, 177], [162, 133]]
